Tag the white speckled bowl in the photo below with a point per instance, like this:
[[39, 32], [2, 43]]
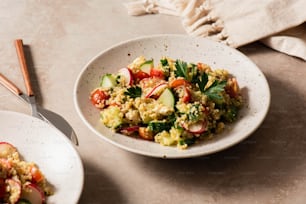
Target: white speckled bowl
[[253, 83], [50, 149]]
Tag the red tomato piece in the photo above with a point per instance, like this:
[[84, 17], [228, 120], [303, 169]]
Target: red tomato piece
[[144, 133], [98, 98], [184, 93], [140, 75], [129, 130], [232, 88], [36, 174], [157, 73], [187, 95], [179, 82]]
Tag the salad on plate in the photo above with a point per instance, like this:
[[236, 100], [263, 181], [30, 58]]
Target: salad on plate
[[171, 102], [21, 182]]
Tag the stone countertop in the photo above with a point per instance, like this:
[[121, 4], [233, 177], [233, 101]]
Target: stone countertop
[[62, 36]]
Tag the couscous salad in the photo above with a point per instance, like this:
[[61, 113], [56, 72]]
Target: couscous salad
[[21, 182], [171, 102]]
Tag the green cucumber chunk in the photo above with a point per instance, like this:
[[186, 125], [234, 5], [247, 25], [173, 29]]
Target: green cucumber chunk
[[167, 98], [108, 81], [147, 66]]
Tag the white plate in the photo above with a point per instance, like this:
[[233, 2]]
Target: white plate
[[253, 83], [54, 154]]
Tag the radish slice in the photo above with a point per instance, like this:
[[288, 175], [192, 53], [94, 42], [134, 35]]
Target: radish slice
[[157, 90], [129, 130], [5, 163], [196, 128], [127, 74], [33, 194], [6, 149], [15, 190]]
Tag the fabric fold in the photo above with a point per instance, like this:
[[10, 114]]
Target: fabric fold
[[235, 22]]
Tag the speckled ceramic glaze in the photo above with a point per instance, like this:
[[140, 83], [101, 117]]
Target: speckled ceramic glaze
[[251, 80], [54, 154]]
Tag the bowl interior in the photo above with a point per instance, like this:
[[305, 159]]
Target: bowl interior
[[44, 145], [251, 80]]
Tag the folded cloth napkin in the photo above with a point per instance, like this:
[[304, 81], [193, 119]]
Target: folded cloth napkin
[[277, 23]]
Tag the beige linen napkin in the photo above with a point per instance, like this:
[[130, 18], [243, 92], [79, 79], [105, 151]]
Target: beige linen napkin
[[237, 22]]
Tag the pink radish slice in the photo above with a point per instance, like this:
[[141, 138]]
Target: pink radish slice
[[129, 130], [157, 90], [15, 189], [196, 128], [33, 194], [6, 149], [127, 74], [5, 163]]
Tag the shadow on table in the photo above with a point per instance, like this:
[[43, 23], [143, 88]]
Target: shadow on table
[[98, 187], [272, 157]]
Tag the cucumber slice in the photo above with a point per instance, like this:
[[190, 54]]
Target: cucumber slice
[[167, 98], [147, 66], [108, 81]]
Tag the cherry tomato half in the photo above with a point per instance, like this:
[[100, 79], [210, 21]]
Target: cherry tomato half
[[179, 82], [140, 75], [98, 98], [36, 174], [157, 73]]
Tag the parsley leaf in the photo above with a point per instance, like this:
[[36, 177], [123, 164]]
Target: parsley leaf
[[159, 126], [214, 92], [164, 62], [181, 69], [188, 141], [165, 67], [202, 81], [133, 92]]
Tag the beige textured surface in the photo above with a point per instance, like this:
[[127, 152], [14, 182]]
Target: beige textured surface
[[268, 167]]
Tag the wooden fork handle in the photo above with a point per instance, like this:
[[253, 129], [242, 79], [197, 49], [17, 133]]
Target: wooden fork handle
[[9, 85], [23, 66]]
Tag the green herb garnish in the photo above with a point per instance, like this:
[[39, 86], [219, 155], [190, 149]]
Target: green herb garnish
[[214, 92], [165, 67], [187, 71], [164, 62], [133, 92], [202, 81], [159, 126], [188, 141], [181, 69]]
